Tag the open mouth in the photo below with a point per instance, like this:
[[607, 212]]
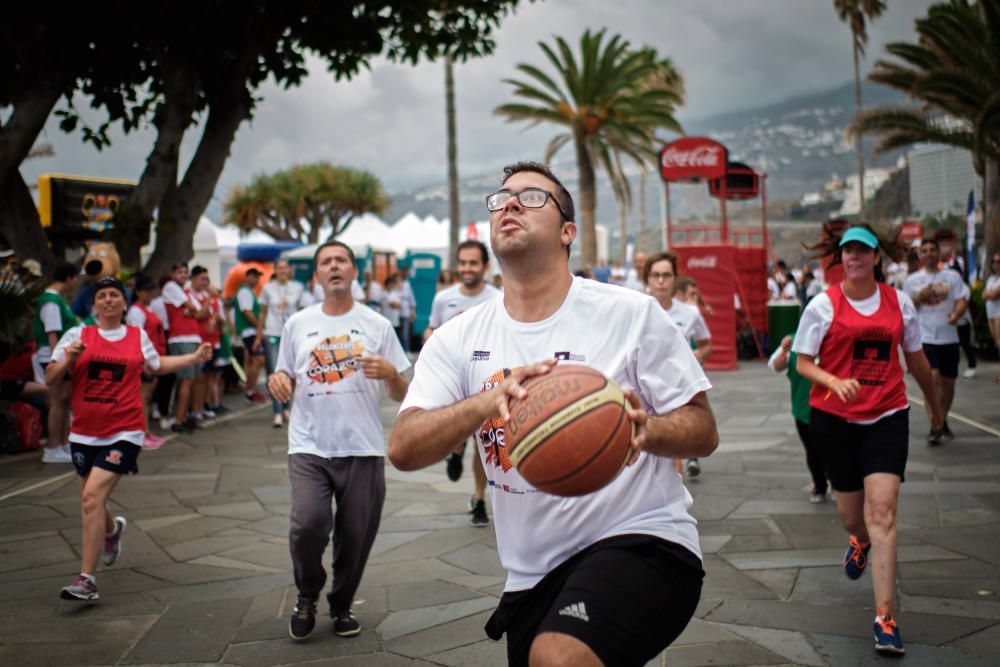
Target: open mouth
[[510, 223]]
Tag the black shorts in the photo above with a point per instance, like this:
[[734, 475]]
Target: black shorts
[[625, 597], [251, 350], [851, 452], [120, 458], [943, 358]]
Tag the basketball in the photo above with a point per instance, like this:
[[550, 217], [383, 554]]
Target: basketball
[[570, 435]]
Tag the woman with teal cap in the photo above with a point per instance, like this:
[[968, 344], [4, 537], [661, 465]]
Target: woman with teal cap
[[860, 414]]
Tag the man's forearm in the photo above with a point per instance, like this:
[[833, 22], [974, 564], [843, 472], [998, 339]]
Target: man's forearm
[[687, 432], [396, 387], [423, 437]]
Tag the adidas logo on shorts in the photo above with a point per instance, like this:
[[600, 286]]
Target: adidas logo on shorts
[[576, 610]]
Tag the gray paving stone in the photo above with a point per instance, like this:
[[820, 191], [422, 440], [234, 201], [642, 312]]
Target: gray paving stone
[[477, 559], [710, 507], [793, 646], [981, 608], [36, 552], [812, 531], [188, 530], [985, 642], [735, 652], [235, 588], [388, 574], [955, 587], [400, 623], [74, 629], [829, 585], [826, 557], [204, 546], [186, 574], [723, 580], [482, 654], [322, 645], [269, 555], [700, 632], [110, 582], [781, 581], [426, 594], [42, 655], [194, 632], [441, 638], [851, 652]]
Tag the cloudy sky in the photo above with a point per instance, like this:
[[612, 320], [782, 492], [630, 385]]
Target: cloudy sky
[[734, 54]]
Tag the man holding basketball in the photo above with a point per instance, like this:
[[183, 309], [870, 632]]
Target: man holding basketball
[[560, 606]]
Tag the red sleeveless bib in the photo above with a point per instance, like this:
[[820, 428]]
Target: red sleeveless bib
[[866, 349], [154, 329], [107, 380]]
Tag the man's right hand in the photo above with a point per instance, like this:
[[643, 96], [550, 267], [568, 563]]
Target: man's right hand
[[498, 399], [846, 389], [74, 350], [280, 386]]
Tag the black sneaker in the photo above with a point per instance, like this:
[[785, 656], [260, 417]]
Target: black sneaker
[[935, 437], [479, 516], [303, 619], [946, 433], [192, 424], [345, 624], [180, 428], [454, 467]]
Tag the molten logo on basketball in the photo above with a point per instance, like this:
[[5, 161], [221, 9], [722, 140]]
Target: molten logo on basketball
[[542, 395]]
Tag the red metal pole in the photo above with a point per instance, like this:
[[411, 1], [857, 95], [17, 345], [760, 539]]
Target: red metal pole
[[668, 241], [763, 217], [722, 207]]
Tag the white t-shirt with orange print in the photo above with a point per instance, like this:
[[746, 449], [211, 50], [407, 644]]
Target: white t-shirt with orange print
[[336, 411]]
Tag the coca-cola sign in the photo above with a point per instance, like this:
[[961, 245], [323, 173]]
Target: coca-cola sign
[[692, 159], [706, 262]]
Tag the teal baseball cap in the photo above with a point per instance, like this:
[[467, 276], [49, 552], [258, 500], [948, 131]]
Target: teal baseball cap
[[861, 235]]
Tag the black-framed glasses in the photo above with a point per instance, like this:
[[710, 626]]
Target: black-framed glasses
[[528, 197], [654, 276]]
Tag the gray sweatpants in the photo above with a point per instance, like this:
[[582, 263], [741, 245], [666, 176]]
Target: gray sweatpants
[[358, 485]]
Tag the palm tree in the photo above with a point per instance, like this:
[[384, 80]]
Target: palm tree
[[453, 208], [604, 98], [953, 71], [855, 13]]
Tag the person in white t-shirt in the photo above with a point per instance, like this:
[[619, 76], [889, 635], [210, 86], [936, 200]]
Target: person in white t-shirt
[[407, 307], [472, 261], [991, 296], [559, 605], [658, 275], [392, 306], [633, 277], [938, 295], [279, 300], [335, 357]]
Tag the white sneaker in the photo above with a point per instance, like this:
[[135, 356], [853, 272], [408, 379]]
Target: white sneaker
[[155, 412], [276, 422], [209, 414], [285, 415], [969, 373], [166, 423], [57, 454]]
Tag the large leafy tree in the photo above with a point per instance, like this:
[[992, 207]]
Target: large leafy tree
[[603, 97], [182, 71], [857, 13], [300, 203], [953, 72]]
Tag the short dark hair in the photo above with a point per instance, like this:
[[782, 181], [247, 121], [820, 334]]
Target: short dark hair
[[198, 270], [479, 245], [933, 242], [684, 283], [144, 283], [562, 194], [659, 257], [333, 244], [109, 282], [178, 265], [64, 271]]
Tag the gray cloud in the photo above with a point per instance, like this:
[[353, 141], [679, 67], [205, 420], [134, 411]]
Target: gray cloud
[[734, 54]]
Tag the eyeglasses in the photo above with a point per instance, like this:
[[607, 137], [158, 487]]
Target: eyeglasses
[[660, 276], [528, 198], [996, 260]]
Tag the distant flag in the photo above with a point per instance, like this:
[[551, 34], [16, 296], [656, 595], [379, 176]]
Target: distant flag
[[472, 232], [970, 235]]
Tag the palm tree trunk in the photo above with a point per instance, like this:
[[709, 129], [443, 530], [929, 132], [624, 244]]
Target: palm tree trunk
[[453, 211], [588, 200], [642, 200], [622, 232], [859, 139], [991, 209]]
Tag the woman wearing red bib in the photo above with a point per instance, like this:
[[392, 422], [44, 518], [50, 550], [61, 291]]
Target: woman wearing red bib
[[108, 425], [860, 413]]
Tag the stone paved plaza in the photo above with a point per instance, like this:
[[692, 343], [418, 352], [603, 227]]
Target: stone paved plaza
[[205, 578]]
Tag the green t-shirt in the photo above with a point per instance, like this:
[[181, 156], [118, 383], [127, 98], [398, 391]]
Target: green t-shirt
[[800, 390], [68, 317], [240, 320]]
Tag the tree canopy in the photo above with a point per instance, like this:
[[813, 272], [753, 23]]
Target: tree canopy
[[151, 63], [300, 203]]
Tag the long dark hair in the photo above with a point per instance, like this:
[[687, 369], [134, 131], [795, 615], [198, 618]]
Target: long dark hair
[[829, 245]]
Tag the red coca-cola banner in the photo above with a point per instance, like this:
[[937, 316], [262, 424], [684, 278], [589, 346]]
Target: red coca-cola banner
[[714, 269], [693, 159]]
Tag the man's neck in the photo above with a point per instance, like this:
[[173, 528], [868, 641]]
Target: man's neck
[[665, 302], [932, 269], [471, 291], [337, 303], [535, 296], [57, 287]]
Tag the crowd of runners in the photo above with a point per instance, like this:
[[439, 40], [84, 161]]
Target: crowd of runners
[[331, 349]]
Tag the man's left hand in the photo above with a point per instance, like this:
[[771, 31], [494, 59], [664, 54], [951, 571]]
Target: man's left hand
[[638, 417], [377, 368]]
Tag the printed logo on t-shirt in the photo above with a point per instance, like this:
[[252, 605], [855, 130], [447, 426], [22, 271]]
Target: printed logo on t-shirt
[[490, 434], [939, 294], [104, 377], [870, 357], [569, 356], [480, 355], [334, 358]]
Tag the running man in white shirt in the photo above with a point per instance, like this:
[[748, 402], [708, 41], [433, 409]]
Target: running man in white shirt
[[471, 263], [658, 274], [939, 295], [335, 358], [561, 604]]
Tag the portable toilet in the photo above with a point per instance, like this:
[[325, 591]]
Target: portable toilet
[[424, 270]]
